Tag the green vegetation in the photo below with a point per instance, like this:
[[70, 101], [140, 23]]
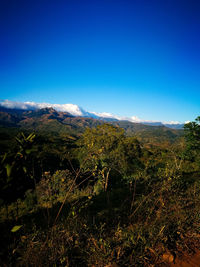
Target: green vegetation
[[100, 195]]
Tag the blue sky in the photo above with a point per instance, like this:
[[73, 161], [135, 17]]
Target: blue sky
[[131, 58]]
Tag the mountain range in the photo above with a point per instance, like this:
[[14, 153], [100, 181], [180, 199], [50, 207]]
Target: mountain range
[[75, 110], [48, 121]]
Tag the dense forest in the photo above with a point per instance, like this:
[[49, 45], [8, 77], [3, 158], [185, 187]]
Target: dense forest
[[84, 192]]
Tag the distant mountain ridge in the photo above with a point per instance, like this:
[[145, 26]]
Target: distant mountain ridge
[[49, 121], [74, 110]]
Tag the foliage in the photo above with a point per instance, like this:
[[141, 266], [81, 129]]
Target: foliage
[[16, 168], [192, 133], [52, 188], [108, 153], [104, 200]]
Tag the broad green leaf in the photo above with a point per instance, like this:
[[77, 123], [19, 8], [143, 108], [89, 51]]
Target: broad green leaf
[[16, 228]]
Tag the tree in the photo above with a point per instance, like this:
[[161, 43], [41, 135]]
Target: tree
[[192, 131], [192, 136], [106, 151], [16, 168]]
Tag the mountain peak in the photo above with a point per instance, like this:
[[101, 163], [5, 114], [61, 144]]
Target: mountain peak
[[48, 110]]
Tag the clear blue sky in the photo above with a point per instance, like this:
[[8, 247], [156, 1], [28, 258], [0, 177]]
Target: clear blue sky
[[126, 57]]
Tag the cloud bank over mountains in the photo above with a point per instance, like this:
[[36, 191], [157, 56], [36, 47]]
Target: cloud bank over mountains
[[77, 111], [71, 108]]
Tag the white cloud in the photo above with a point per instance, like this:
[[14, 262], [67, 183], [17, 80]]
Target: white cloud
[[71, 108], [13, 104], [135, 119], [171, 122], [106, 115]]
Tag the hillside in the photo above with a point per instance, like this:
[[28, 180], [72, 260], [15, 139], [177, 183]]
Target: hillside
[[48, 120], [76, 191]]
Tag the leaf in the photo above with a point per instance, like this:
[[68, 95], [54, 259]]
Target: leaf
[[30, 137], [24, 169], [28, 151], [161, 230], [19, 141], [4, 158], [16, 228], [8, 169]]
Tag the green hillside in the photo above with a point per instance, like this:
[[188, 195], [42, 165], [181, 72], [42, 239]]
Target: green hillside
[[60, 123], [77, 191]]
